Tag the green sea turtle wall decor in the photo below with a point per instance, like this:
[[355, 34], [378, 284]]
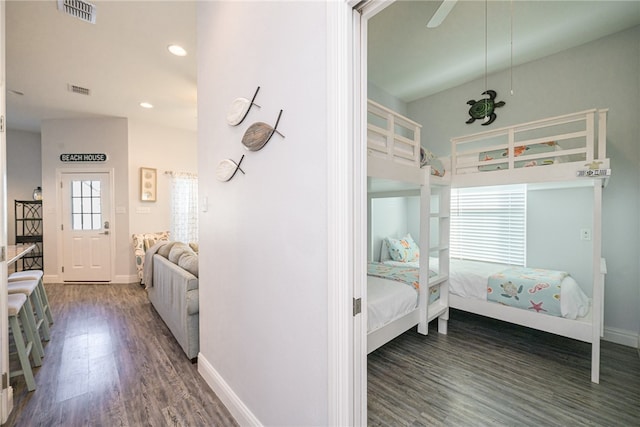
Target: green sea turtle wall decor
[[484, 108]]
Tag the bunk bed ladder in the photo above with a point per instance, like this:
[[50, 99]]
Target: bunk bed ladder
[[440, 211]]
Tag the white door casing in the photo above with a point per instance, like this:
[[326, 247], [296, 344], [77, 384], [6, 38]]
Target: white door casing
[[86, 226], [6, 392], [361, 15]]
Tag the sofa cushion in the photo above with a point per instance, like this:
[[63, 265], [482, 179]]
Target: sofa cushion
[[193, 302], [164, 251], [189, 261], [174, 296], [177, 250]]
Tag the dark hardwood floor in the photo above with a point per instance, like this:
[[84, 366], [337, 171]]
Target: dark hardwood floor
[[487, 372], [112, 361]]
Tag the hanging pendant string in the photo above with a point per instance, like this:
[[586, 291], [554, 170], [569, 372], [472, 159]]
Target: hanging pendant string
[[486, 46], [486, 61], [511, 53]]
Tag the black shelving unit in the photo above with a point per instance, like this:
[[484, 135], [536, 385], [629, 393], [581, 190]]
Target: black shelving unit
[[28, 218]]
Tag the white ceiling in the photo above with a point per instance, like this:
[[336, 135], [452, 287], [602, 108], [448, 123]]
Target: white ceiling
[[122, 59], [410, 61]]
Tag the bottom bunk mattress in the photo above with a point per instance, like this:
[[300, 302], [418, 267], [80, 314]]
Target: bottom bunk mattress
[[392, 292], [471, 279]]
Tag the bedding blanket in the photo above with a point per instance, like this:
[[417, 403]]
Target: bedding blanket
[[407, 275], [528, 288], [542, 147], [147, 275]]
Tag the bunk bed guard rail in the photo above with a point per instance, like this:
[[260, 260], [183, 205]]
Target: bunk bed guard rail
[[570, 138], [391, 136]]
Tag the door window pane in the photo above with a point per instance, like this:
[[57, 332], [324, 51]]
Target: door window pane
[[86, 209]]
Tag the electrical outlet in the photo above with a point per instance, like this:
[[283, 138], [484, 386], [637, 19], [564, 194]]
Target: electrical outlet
[[585, 234]]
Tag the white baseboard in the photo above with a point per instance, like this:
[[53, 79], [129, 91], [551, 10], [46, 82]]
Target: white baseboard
[[123, 279], [119, 279], [51, 278], [234, 404], [622, 337]]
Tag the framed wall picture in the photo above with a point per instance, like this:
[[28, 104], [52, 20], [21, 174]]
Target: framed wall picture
[[148, 184]]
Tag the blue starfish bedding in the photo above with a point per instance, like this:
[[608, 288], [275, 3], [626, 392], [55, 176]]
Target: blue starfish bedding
[[528, 288]]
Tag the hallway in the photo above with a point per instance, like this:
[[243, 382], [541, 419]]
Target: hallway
[[112, 361]]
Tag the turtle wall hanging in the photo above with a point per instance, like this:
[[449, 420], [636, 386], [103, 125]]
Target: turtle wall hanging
[[484, 108]]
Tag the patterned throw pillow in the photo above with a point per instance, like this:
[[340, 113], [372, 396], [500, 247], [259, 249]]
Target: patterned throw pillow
[[403, 250], [151, 239], [142, 242]]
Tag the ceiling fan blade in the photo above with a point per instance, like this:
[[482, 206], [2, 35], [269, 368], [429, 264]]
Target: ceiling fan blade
[[441, 13]]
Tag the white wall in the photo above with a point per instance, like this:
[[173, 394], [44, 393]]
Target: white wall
[[104, 135], [389, 218], [554, 220], [164, 149], [145, 145], [263, 241], [382, 97], [413, 221], [24, 172], [601, 74]]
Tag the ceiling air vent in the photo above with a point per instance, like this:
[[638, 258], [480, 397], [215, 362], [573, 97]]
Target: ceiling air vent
[[78, 9], [79, 89]]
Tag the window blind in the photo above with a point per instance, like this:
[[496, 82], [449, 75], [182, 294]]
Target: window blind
[[489, 224], [184, 207]]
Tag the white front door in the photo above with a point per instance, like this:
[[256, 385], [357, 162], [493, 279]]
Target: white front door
[[86, 228]]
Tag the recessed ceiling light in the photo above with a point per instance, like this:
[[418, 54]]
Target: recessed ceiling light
[[177, 50], [146, 105]]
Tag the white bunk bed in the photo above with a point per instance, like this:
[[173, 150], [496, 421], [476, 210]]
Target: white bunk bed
[[394, 171], [577, 157]]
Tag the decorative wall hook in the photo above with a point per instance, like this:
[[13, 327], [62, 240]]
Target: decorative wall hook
[[240, 108], [259, 133], [227, 169]]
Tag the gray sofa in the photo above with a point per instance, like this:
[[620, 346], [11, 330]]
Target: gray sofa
[[171, 280]]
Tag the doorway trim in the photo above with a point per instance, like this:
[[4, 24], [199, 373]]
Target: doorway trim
[[6, 393], [60, 172], [347, 206], [344, 398]]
